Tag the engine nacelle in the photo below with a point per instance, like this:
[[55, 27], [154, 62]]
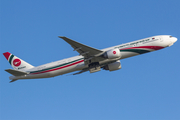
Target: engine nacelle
[[113, 66], [114, 53]]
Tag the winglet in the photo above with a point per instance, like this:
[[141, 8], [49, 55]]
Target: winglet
[[61, 36]]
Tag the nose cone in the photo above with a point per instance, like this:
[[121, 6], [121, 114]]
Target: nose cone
[[173, 39]]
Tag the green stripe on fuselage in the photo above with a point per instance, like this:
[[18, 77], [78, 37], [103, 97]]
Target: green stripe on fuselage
[[57, 66], [140, 51]]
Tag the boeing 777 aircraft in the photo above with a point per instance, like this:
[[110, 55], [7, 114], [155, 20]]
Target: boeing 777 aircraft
[[89, 58]]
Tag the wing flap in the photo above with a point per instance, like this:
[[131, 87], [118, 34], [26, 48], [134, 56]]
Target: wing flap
[[15, 72]]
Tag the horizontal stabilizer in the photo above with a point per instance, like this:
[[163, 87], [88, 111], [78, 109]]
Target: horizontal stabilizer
[[15, 72]]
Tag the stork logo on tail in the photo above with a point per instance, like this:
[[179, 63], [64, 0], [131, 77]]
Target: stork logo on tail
[[17, 62]]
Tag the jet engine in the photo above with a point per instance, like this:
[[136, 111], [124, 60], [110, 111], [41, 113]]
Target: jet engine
[[114, 53], [113, 66]]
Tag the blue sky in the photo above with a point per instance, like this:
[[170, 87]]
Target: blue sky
[[147, 86]]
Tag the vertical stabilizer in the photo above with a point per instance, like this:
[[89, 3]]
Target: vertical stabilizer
[[17, 63]]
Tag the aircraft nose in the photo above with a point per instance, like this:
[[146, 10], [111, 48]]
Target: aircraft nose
[[173, 39]]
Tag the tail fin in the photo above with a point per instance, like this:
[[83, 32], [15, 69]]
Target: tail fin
[[17, 63]]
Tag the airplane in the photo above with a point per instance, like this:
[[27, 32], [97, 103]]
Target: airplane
[[89, 58]]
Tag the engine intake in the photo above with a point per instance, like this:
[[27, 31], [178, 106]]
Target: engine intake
[[114, 53]]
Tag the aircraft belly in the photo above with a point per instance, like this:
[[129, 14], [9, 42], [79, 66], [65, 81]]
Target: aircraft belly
[[64, 70], [128, 54], [43, 75], [30, 76]]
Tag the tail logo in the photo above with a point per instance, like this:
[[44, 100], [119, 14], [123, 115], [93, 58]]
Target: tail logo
[[17, 62]]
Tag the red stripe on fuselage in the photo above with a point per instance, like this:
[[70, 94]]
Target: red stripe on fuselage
[[59, 67], [147, 47]]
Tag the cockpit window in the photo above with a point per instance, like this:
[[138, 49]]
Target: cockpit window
[[170, 36]]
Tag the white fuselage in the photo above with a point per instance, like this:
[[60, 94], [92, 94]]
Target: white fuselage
[[77, 63]]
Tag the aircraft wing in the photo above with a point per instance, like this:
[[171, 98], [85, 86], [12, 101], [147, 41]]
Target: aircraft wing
[[84, 50]]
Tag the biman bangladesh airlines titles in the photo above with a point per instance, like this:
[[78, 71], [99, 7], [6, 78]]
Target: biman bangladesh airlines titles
[[89, 58]]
